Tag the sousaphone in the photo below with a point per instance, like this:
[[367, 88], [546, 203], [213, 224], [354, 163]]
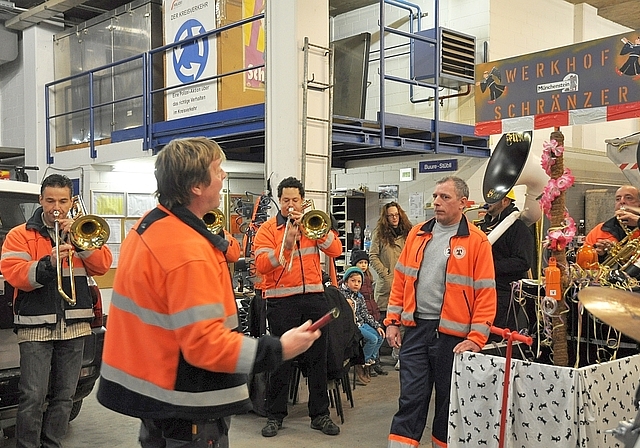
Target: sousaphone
[[511, 164]]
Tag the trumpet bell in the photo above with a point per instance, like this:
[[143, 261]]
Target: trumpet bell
[[315, 224], [89, 232], [215, 221]]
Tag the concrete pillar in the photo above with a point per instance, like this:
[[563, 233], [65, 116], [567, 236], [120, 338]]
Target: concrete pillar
[[288, 22], [37, 54]]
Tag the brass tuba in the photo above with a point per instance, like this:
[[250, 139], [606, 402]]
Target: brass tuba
[[215, 221], [510, 165]]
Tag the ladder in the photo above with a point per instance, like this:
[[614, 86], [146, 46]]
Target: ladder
[[311, 85]]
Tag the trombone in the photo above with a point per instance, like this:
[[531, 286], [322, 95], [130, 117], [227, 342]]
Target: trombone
[[87, 232], [284, 238], [314, 224]]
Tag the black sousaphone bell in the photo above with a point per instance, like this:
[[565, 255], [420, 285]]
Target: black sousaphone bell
[[511, 165]]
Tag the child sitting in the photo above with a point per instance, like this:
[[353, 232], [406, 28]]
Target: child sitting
[[360, 258], [371, 329]]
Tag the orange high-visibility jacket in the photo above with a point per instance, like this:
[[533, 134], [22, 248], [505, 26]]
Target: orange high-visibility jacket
[[26, 265], [469, 305], [608, 230], [170, 350], [305, 275]]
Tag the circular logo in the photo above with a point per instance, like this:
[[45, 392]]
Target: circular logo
[[459, 252], [190, 60]]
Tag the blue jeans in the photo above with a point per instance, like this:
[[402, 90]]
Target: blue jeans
[[372, 342], [61, 362]]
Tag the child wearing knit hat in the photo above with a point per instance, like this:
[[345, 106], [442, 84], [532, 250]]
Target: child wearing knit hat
[[370, 329], [360, 258]]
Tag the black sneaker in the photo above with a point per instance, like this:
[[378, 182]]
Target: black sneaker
[[271, 428], [325, 424], [379, 370]]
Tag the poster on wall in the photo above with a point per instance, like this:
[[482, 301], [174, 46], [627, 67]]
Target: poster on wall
[[186, 64], [416, 207], [387, 193], [253, 43]]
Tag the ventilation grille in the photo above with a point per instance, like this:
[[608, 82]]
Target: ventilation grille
[[457, 59]]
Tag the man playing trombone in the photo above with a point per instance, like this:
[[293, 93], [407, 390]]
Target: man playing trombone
[[50, 319], [288, 258]]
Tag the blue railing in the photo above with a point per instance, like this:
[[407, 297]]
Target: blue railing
[[147, 90]]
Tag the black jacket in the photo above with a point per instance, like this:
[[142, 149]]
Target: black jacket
[[513, 252]]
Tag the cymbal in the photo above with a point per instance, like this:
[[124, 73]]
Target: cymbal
[[615, 307]]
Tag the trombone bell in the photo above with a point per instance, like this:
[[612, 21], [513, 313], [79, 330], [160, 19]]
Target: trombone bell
[[215, 221], [315, 224], [89, 232]]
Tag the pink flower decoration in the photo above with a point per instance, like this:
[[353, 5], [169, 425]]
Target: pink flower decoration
[[553, 148], [550, 151], [560, 238], [546, 161]]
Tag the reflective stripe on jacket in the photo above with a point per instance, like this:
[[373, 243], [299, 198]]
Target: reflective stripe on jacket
[[305, 275], [169, 351], [26, 265], [469, 304]]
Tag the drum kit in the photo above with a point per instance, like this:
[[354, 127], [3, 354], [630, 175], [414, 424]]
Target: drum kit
[[621, 310]]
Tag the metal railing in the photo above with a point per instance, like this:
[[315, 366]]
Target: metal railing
[[146, 88], [412, 37]]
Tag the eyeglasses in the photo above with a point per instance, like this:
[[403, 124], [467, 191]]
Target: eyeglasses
[[395, 215]]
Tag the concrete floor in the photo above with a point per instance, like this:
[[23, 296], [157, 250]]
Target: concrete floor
[[366, 424]]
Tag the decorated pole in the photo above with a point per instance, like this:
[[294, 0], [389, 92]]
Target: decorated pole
[[561, 232]]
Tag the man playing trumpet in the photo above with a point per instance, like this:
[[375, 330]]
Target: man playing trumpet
[[289, 263], [608, 233]]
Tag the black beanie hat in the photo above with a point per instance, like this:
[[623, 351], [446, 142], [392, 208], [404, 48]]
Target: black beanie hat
[[358, 255]]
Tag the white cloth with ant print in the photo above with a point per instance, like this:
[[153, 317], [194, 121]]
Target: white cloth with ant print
[[548, 405]]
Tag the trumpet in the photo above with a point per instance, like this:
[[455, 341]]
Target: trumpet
[[215, 221], [87, 232]]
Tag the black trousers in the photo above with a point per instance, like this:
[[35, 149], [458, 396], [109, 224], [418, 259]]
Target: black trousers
[[282, 315], [426, 361]]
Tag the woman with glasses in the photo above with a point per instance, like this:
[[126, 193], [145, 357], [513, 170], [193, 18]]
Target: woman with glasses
[[386, 244]]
